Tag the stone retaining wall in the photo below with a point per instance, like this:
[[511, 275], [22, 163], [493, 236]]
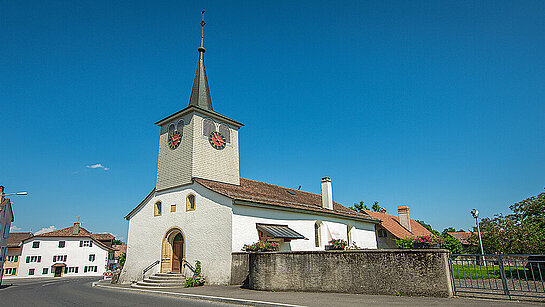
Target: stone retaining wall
[[391, 272], [240, 268]]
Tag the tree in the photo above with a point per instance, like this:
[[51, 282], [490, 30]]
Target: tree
[[359, 207], [521, 232], [448, 229], [121, 260], [428, 227], [117, 242], [376, 207]]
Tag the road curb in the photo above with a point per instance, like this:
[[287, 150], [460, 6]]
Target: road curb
[[220, 299]]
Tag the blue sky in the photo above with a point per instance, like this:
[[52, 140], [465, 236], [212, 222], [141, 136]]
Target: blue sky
[[437, 105]]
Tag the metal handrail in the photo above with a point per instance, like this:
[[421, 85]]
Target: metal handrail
[[149, 268], [189, 266]]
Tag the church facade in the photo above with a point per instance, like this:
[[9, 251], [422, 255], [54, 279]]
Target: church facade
[[200, 208]]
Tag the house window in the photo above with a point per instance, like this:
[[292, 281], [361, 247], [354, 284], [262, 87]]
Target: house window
[[59, 258], [44, 271], [86, 243], [72, 269], [190, 202], [382, 233], [13, 258], [89, 268], [157, 209], [173, 208], [62, 244], [30, 271], [92, 257], [10, 271], [33, 259], [36, 244], [317, 234]]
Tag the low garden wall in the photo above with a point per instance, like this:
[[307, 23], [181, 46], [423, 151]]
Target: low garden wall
[[240, 268], [423, 272]]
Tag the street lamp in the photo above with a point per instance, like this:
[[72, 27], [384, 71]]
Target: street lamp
[[18, 193], [475, 214]]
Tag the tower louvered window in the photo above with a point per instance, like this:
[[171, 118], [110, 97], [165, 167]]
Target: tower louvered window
[[171, 129], [180, 127], [208, 126], [224, 130]]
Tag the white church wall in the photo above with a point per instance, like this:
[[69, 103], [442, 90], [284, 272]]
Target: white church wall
[[246, 217], [206, 230], [76, 256]]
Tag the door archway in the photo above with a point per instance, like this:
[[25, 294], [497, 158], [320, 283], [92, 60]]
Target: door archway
[[172, 251]]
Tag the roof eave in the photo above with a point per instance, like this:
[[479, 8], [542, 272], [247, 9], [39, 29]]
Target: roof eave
[[143, 202], [199, 109]]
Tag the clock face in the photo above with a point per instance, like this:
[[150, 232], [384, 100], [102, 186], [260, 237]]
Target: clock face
[[174, 140], [216, 140]]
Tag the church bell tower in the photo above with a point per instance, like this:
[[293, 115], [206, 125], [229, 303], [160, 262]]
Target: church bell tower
[[197, 142]]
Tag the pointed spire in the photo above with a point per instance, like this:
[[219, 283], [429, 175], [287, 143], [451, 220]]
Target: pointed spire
[[200, 94]]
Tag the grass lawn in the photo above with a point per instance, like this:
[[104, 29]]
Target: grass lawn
[[470, 271]]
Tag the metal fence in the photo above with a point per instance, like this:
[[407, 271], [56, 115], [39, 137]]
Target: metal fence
[[511, 275]]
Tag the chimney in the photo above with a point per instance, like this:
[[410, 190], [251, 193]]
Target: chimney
[[75, 229], [404, 219], [327, 194]]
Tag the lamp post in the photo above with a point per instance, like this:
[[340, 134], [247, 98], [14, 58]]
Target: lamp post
[[475, 214], [18, 193]]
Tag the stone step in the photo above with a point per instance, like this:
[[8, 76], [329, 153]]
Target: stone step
[[144, 284], [155, 277], [169, 274], [164, 281]]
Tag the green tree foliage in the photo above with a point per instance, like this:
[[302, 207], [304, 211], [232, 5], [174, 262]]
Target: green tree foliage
[[359, 207], [428, 227], [406, 243], [448, 229], [450, 243], [521, 232], [121, 260], [376, 207], [117, 242]]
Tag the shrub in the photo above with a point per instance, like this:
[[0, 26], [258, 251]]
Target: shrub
[[406, 243], [423, 239], [194, 281], [338, 244], [261, 246]]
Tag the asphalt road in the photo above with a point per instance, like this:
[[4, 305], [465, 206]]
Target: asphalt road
[[76, 291]]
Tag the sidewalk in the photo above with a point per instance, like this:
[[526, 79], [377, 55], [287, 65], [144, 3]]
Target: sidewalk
[[237, 295]]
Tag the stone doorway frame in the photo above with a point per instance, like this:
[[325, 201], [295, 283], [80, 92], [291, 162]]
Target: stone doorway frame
[[167, 248]]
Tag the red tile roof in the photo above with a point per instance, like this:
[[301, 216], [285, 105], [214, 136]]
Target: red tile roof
[[463, 237], [15, 238], [265, 193], [392, 225], [119, 249], [103, 236]]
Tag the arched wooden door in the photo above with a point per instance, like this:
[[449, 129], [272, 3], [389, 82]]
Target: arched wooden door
[[177, 253]]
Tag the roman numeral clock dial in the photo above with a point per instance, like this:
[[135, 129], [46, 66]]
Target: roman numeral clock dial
[[216, 140]]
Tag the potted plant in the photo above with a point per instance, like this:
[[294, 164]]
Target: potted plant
[[336, 244]]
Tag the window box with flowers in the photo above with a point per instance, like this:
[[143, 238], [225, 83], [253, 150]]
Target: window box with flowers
[[262, 246], [336, 244]]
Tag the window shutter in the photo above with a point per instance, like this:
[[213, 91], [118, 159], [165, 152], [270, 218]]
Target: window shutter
[[90, 243], [27, 259], [80, 243]]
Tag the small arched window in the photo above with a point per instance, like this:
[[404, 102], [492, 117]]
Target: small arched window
[[180, 127], [208, 126], [157, 209], [317, 234], [190, 202], [224, 130]]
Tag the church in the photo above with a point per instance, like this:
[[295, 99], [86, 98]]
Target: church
[[201, 209]]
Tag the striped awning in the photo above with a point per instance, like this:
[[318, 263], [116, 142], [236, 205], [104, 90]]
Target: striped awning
[[279, 231]]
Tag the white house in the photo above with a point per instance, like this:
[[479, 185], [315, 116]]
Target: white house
[[71, 251], [6, 218], [200, 208]]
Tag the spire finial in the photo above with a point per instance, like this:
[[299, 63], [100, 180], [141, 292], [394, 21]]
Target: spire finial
[[201, 48]]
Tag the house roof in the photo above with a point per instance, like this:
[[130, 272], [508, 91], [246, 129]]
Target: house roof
[[462, 236], [70, 232], [392, 225], [269, 194], [103, 236], [119, 249], [16, 238]]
